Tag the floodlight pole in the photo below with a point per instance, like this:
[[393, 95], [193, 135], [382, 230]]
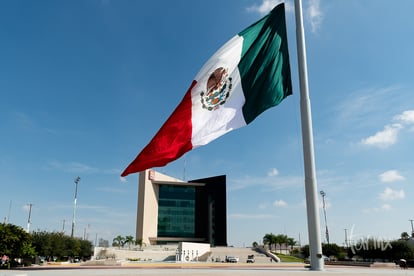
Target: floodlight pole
[[28, 219], [315, 247], [323, 194], [346, 238], [77, 179]]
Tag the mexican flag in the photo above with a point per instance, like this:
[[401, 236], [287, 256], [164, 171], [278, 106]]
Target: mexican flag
[[246, 76]]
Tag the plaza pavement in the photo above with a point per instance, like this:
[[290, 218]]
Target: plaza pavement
[[202, 269]]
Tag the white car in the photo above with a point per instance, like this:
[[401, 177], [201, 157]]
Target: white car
[[232, 259]]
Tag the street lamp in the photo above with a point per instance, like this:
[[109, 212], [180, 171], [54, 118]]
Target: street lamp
[[323, 194], [28, 219], [346, 238], [77, 179]]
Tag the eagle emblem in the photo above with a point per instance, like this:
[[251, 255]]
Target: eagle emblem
[[218, 89]]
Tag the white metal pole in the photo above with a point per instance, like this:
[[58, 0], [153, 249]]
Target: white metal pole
[[28, 219], [77, 179], [315, 247]]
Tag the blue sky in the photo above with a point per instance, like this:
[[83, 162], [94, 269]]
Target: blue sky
[[85, 85]]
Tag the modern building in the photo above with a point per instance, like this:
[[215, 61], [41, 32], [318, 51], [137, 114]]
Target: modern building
[[172, 211]]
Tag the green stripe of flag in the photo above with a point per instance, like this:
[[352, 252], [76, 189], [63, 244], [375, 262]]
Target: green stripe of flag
[[264, 66]]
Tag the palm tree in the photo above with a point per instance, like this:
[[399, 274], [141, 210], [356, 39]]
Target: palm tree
[[140, 242], [129, 240], [269, 239], [280, 240], [118, 241], [291, 242]]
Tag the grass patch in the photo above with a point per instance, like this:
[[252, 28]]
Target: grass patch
[[289, 259]]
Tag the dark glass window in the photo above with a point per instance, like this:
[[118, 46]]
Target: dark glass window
[[176, 211]]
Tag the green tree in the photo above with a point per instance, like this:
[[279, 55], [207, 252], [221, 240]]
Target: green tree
[[255, 244], [15, 242], [57, 245], [401, 250], [405, 236], [331, 249], [291, 242], [305, 251], [281, 240], [60, 245], [269, 239], [370, 249], [129, 240], [140, 243], [118, 241], [72, 246], [86, 249], [42, 243]]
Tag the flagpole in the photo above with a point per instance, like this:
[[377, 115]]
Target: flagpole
[[315, 247]]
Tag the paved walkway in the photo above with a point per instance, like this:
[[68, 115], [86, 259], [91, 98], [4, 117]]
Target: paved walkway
[[202, 270]]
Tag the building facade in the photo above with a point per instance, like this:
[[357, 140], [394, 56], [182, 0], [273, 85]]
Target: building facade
[[171, 211]]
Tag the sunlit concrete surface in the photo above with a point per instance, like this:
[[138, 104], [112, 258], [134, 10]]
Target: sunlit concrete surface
[[205, 269]]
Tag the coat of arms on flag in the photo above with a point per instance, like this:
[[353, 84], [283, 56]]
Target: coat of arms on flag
[[217, 90]]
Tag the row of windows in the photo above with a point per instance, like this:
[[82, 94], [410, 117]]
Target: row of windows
[[176, 220], [176, 192], [176, 203], [175, 212], [176, 229]]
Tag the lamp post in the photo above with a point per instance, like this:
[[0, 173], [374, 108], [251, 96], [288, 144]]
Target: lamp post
[[28, 219], [77, 179], [323, 194], [346, 238], [412, 228]]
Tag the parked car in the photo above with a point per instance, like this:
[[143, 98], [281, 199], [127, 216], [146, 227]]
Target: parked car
[[232, 259], [250, 259]]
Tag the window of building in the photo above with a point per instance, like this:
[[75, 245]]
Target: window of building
[[176, 211]]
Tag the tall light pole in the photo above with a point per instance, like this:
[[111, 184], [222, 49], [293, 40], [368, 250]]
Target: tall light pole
[[346, 237], [412, 228], [323, 194], [77, 179], [28, 219]]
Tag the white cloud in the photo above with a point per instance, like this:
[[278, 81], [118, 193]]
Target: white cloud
[[273, 172], [389, 135], [122, 179], [390, 194], [280, 203], [386, 207], [72, 167], [267, 5], [391, 176], [384, 138], [407, 117], [314, 14]]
